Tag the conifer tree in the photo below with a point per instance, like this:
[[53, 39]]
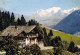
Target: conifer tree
[[46, 38], [0, 21], [51, 33], [18, 21], [23, 21], [32, 22], [12, 19]]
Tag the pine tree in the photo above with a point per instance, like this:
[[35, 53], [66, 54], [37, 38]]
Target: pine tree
[[56, 41], [23, 21], [3, 20], [51, 33], [12, 19], [32, 22], [8, 17], [18, 21], [46, 38], [71, 47], [0, 21]]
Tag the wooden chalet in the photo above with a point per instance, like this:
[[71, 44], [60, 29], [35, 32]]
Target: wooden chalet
[[25, 35]]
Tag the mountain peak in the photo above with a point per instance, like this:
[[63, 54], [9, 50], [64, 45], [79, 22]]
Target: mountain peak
[[70, 24]]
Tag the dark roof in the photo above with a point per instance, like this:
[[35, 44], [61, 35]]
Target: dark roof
[[15, 30]]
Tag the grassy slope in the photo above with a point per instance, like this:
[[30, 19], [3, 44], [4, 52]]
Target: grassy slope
[[68, 53], [64, 36], [47, 52], [50, 52]]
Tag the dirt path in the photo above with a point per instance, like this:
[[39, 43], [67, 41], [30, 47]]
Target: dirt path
[[2, 52], [46, 48]]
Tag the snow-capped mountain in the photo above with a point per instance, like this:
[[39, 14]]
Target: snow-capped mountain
[[70, 24], [50, 16]]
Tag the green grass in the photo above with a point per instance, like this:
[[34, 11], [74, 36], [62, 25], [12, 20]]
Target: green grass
[[47, 52], [2, 54], [67, 53], [65, 36], [51, 51]]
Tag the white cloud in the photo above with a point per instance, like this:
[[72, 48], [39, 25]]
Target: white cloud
[[1, 9], [47, 17], [50, 16]]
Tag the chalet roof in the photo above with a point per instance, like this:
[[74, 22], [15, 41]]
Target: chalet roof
[[15, 30]]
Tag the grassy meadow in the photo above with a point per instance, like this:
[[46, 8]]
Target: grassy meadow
[[64, 36]]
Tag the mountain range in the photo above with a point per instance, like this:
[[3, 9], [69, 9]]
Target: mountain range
[[70, 24]]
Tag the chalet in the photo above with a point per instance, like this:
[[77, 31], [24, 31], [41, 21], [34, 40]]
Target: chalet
[[25, 35]]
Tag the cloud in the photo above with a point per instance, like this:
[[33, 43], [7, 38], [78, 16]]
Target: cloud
[[2, 9], [47, 17], [50, 16], [2, 2]]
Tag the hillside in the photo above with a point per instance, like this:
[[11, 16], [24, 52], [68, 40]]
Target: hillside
[[64, 36], [70, 24], [50, 52]]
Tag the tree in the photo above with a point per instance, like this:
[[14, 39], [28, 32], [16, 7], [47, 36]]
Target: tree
[[57, 44], [56, 41], [25, 51], [46, 38], [10, 46], [64, 45], [35, 49], [0, 21], [18, 21], [72, 47], [4, 20], [50, 33], [58, 50], [32, 22], [12, 19], [23, 21], [40, 32]]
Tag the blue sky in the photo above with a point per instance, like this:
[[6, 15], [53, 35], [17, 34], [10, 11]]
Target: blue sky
[[29, 6]]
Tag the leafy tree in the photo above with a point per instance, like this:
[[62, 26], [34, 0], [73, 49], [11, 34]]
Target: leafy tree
[[58, 50], [35, 49], [40, 31], [23, 21], [25, 51], [10, 46], [65, 45]]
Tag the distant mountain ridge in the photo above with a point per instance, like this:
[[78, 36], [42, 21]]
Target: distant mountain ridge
[[70, 24]]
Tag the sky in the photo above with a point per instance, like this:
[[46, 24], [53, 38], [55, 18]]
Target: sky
[[28, 6]]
